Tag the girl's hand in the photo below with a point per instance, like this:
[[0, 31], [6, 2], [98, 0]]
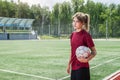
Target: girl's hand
[[68, 69], [82, 59]]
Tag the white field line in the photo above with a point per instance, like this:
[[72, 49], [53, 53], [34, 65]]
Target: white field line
[[24, 74], [114, 77], [13, 51], [106, 78], [36, 76], [104, 62], [93, 67], [106, 39]]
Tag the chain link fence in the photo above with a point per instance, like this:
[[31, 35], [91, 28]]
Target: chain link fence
[[64, 30]]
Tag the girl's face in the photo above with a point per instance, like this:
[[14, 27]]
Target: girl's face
[[77, 25]]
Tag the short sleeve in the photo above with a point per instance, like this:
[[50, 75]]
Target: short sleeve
[[71, 35], [88, 40]]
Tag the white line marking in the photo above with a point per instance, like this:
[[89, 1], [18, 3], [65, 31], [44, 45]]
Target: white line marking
[[93, 67], [24, 74], [106, 78], [104, 63], [31, 75], [64, 77], [114, 77]]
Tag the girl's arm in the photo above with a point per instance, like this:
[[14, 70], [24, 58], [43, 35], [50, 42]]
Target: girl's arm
[[69, 65], [93, 53]]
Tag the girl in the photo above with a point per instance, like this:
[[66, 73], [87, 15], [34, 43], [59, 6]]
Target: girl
[[80, 37]]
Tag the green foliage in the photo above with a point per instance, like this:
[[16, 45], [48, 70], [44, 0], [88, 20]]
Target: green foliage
[[65, 12], [102, 30], [61, 14]]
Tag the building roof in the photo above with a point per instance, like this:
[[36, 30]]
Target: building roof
[[15, 22]]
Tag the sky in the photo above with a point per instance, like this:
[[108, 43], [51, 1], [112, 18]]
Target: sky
[[50, 3], [108, 1]]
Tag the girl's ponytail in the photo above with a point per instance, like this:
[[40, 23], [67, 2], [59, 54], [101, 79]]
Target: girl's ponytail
[[86, 22]]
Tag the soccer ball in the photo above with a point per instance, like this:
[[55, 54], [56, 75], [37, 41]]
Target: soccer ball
[[83, 51]]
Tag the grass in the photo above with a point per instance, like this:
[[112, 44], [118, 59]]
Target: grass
[[48, 58], [50, 37]]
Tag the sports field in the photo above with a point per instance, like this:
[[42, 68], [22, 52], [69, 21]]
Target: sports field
[[47, 59]]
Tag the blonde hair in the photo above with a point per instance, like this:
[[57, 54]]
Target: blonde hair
[[84, 18]]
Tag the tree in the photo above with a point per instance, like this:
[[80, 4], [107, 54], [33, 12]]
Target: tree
[[59, 19], [77, 5], [23, 10]]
